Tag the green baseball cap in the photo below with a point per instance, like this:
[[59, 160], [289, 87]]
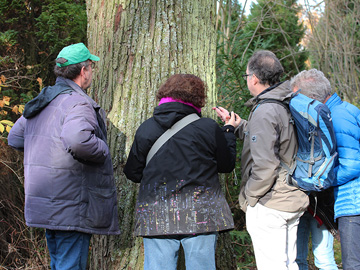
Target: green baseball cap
[[76, 53]]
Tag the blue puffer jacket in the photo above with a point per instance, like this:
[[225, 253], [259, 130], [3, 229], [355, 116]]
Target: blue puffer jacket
[[69, 183], [346, 119]]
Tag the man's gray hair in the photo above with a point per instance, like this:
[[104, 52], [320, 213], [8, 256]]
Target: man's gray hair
[[313, 84]]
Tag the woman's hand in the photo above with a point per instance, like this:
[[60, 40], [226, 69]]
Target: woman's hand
[[222, 113], [229, 119]]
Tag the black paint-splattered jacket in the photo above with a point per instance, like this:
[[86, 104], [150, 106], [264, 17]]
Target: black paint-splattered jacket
[[179, 190]]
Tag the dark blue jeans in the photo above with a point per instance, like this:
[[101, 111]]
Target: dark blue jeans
[[349, 228], [68, 249]]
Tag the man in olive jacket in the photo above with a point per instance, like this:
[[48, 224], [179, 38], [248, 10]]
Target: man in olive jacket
[[272, 207]]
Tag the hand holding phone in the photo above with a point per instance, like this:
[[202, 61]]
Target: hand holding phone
[[222, 113]]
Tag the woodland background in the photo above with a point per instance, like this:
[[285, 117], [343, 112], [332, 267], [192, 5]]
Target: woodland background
[[311, 34]]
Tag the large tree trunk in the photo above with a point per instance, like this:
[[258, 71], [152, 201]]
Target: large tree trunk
[[142, 43]]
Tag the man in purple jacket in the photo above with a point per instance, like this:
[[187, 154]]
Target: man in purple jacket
[[69, 184]]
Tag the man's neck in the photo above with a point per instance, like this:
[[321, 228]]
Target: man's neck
[[72, 83], [77, 80], [260, 88], [326, 99]]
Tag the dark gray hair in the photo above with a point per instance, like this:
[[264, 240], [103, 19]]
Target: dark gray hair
[[71, 71], [312, 83], [266, 66]]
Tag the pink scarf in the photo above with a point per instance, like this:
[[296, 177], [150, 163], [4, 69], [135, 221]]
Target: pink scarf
[[170, 99]]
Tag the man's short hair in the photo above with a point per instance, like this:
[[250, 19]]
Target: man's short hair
[[71, 59], [266, 66], [69, 72], [313, 84]]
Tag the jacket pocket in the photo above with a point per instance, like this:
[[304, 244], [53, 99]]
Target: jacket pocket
[[99, 212]]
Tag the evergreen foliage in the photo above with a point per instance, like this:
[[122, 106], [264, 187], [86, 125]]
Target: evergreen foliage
[[275, 26], [271, 25], [231, 59]]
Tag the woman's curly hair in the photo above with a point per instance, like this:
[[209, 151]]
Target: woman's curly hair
[[186, 87]]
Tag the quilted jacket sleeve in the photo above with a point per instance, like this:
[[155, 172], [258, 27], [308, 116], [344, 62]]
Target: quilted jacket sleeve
[[346, 121], [80, 135], [16, 134]]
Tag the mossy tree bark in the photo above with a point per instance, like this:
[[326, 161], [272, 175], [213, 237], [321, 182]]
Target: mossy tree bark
[[142, 43]]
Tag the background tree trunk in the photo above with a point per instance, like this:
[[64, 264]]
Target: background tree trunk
[[334, 45], [142, 43]]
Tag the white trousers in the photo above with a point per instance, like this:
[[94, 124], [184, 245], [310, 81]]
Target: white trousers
[[273, 234]]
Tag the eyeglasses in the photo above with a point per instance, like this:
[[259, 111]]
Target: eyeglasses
[[92, 64], [244, 76]]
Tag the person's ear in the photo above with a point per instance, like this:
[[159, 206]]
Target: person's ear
[[83, 70], [255, 80]]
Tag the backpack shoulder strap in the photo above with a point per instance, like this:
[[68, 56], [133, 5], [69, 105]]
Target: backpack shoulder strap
[[169, 133], [285, 104]]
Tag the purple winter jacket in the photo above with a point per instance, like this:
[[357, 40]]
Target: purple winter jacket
[[69, 183]]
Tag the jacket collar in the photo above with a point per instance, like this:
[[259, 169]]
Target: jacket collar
[[279, 91], [167, 114], [77, 89], [333, 101], [49, 93]]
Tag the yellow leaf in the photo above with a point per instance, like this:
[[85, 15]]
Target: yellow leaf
[[2, 104], [2, 128], [6, 100], [21, 108], [15, 109], [8, 129], [2, 78], [40, 82], [7, 122]]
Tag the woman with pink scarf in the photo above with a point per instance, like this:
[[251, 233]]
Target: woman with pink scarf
[[180, 199]]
